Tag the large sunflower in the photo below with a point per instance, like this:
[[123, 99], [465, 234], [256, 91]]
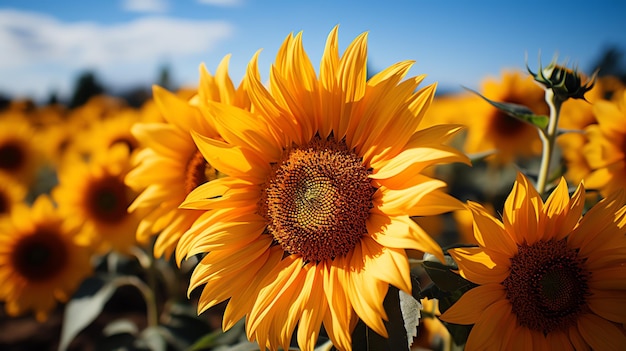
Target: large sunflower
[[93, 194], [170, 166], [548, 280], [41, 260], [311, 224]]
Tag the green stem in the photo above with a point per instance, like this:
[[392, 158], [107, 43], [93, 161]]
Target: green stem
[[548, 137], [148, 296], [148, 290]]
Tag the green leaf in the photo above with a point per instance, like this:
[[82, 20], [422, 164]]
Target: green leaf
[[442, 273], [84, 307], [517, 111]]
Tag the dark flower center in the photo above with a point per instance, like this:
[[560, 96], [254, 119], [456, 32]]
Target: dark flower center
[[129, 141], [107, 199], [317, 200], [12, 156], [547, 286], [505, 124], [41, 255], [198, 172]]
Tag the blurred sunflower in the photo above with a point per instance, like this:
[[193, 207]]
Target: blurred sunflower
[[113, 130], [41, 260], [548, 279], [311, 224], [11, 194], [57, 140], [93, 194], [605, 151], [170, 166], [19, 157], [490, 129], [431, 333], [576, 115]]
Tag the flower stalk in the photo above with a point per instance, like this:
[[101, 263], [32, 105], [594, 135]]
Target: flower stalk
[[560, 84], [548, 137]]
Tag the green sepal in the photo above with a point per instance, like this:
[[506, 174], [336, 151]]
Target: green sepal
[[517, 111]]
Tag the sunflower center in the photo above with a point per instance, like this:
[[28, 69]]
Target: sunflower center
[[505, 124], [547, 286], [317, 200], [11, 156], [107, 200], [40, 256], [130, 143], [198, 172]]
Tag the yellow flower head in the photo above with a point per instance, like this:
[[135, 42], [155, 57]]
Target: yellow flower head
[[93, 194], [311, 223], [170, 165], [489, 129], [548, 279], [605, 152], [41, 261]]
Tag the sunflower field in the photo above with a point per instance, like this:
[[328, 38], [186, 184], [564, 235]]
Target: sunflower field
[[319, 207]]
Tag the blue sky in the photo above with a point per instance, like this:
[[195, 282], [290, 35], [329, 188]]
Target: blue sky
[[46, 44]]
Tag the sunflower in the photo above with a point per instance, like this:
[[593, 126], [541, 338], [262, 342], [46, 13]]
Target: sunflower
[[311, 223], [548, 279], [19, 158], [113, 130], [93, 194], [42, 262], [170, 166], [490, 129], [575, 116], [605, 152]]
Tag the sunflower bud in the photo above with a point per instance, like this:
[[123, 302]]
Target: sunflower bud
[[566, 83]]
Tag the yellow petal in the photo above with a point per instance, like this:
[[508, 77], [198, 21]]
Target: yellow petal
[[521, 212], [487, 332], [232, 159], [387, 264], [601, 334], [490, 233], [352, 78], [476, 266], [314, 309], [241, 303], [240, 127], [469, 308]]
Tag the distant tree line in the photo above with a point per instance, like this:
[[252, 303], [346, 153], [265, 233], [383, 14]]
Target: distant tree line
[[609, 63]]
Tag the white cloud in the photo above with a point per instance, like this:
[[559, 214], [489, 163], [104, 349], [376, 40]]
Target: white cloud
[[154, 6], [35, 42], [222, 3]]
